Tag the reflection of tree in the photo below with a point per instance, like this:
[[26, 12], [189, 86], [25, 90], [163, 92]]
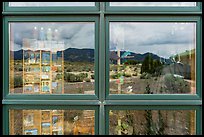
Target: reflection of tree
[[161, 124], [151, 66], [130, 120], [154, 128], [149, 123], [147, 65], [148, 116]]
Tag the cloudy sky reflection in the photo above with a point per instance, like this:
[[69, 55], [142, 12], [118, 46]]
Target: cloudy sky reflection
[[74, 34], [163, 39]]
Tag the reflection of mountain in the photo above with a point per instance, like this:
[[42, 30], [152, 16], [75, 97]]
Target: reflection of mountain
[[79, 55], [141, 57], [18, 55], [70, 54], [87, 55]]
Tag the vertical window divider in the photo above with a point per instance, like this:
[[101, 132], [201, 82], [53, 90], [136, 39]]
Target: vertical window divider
[[102, 88]]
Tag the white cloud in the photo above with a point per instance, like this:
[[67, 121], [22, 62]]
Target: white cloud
[[74, 34]]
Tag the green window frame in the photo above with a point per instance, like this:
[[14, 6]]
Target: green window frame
[[102, 13]]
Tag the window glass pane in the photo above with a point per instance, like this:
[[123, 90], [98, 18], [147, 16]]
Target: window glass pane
[[51, 122], [171, 4], [52, 58], [152, 122], [46, 4], [152, 58]]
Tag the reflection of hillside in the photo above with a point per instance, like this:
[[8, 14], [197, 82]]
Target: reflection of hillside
[[135, 56], [71, 54]]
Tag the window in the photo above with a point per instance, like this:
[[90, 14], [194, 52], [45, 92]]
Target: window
[[38, 4], [162, 7], [47, 58], [96, 68], [50, 7], [156, 55]]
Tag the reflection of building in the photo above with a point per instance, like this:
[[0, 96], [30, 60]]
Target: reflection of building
[[184, 64], [43, 67]]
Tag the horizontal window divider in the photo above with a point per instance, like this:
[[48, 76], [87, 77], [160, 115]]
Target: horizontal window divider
[[52, 18], [5, 13], [153, 18], [153, 102], [153, 13], [50, 102]]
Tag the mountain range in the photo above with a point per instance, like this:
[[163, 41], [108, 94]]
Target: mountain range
[[87, 55]]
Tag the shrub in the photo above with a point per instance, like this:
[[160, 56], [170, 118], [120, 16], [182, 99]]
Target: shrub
[[135, 74], [131, 62], [92, 76], [59, 69], [59, 76], [20, 69], [83, 75], [18, 81], [69, 77], [87, 79], [68, 70], [127, 75], [116, 76], [176, 84], [145, 76]]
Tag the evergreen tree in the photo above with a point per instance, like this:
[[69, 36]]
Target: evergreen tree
[[161, 124], [149, 124], [151, 66], [147, 64]]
